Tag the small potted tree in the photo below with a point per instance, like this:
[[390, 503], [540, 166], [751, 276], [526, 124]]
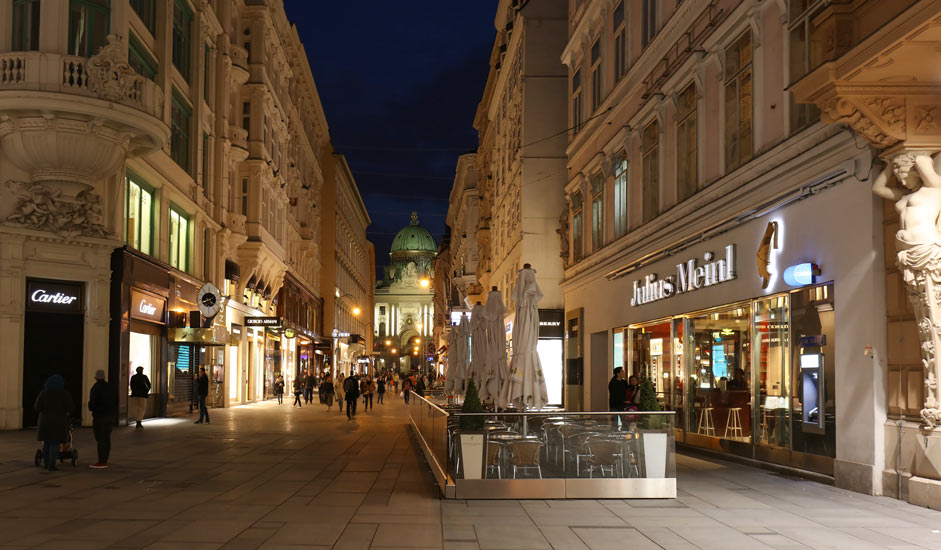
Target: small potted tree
[[472, 434], [654, 438]]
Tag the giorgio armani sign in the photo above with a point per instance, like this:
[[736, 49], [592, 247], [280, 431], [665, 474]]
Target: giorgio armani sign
[[690, 275]]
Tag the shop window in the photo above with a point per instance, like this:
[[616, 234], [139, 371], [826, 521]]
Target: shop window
[[772, 357], [648, 21], [597, 212], [180, 124], [182, 37], [801, 14], [143, 351], [722, 370], [140, 59], [25, 25], [596, 86], [179, 239], [147, 11], [577, 236], [140, 215], [577, 107], [620, 198], [686, 144], [620, 41], [650, 148], [738, 102], [89, 21]]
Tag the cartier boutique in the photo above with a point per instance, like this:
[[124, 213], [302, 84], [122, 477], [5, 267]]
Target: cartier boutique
[[761, 337]]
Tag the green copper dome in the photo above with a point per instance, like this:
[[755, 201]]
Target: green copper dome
[[414, 238]]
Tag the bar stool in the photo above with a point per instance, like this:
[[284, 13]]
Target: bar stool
[[734, 423], [706, 425]]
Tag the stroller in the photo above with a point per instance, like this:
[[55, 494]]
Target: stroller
[[67, 450]]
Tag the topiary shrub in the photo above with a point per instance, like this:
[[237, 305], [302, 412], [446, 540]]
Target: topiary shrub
[[648, 402], [472, 405]]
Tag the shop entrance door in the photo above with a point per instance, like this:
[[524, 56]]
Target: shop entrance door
[[41, 360], [180, 379]]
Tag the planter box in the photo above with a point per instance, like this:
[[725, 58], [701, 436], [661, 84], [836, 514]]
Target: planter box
[[472, 454]]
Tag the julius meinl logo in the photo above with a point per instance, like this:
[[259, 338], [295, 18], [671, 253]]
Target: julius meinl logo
[[689, 276]]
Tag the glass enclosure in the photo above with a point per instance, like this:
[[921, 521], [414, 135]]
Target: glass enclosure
[[754, 378]]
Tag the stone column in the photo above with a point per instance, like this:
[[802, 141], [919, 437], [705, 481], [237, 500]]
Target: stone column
[[12, 323]]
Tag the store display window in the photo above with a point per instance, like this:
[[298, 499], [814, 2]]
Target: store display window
[[142, 352]]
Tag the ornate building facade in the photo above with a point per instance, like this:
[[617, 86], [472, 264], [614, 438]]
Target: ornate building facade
[[146, 149]]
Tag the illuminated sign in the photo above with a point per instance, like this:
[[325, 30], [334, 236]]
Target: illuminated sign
[[289, 333], [263, 321], [689, 276], [801, 274], [54, 296], [147, 307]]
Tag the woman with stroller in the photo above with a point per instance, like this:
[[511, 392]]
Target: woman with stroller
[[54, 406]]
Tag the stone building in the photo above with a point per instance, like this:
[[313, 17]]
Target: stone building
[[404, 299], [463, 219], [147, 149]]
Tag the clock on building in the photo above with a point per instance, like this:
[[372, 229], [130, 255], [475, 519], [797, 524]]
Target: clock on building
[[210, 300]]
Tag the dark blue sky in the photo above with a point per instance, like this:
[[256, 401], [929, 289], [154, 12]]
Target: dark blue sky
[[400, 81]]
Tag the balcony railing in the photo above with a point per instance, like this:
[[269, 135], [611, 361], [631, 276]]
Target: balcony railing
[[95, 77]]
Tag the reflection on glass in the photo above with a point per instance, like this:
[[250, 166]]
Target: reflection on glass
[[772, 349], [652, 356], [722, 370]]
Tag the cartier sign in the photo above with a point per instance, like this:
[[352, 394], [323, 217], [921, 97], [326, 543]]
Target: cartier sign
[[690, 275], [54, 296], [147, 307]]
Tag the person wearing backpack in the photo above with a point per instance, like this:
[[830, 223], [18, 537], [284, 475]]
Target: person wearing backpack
[[351, 388]]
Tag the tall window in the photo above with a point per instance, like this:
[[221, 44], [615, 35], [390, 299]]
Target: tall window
[[179, 239], [140, 215], [147, 11], [577, 109], [801, 13], [207, 253], [140, 59], [180, 120], [577, 238], [596, 90], [597, 212], [89, 21], [207, 72], [182, 37], [207, 156], [25, 25], [244, 197], [651, 159], [648, 21], [620, 198], [246, 115], [738, 103], [686, 151], [620, 42]]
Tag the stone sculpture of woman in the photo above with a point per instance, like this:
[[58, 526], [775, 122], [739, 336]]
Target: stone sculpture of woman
[[918, 242]]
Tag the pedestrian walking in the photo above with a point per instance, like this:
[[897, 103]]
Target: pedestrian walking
[[369, 388], [140, 388], [351, 389], [298, 390], [279, 389], [395, 385], [380, 389], [406, 388], [101, 403], [202, 392], [54, 406], [339, 388], [308, 387], [326, 392]]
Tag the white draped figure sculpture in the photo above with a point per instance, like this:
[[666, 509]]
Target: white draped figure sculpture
[[525, 385], [918, 242], [478, 346], [495, 369]]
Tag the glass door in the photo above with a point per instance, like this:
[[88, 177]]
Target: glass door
[[771, 358], [651, 358]]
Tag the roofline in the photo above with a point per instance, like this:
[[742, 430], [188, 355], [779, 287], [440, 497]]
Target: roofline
[[345, 168]]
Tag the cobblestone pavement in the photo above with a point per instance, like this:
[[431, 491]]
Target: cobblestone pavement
[[269, 476]]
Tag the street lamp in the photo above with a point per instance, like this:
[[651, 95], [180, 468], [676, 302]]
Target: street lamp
[[424, 283]]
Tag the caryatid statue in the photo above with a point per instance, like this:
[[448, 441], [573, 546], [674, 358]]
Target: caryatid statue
[[918, 201]]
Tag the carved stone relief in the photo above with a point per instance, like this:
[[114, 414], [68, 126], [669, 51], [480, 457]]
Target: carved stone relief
[[881, 120], [46, 209]]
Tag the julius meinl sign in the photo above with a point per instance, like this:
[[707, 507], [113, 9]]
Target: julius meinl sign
[[689, 276]]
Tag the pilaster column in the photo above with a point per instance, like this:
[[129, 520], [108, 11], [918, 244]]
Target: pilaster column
[[12, 326]]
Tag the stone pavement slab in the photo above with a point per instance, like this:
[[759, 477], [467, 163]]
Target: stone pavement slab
[[269, 476]]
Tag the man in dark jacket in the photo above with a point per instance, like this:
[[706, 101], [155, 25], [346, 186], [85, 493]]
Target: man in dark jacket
[[140, 387], [54, 406], [202, 392], [351, 388], [617, 393], [309, 382], [101, 403]]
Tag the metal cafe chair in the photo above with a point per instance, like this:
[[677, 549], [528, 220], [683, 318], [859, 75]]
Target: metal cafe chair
[[604, 453], [525, 455], [493, 459], [577, 446]]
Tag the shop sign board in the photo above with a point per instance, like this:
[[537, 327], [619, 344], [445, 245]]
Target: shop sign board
[[550, 323], [262, 321], [689, 276], [54, 296], [147, 307]]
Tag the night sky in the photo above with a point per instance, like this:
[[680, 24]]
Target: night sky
[[400, 82]]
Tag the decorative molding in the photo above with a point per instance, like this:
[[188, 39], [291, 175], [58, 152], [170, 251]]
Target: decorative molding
[[881, 120], [43, 208]]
